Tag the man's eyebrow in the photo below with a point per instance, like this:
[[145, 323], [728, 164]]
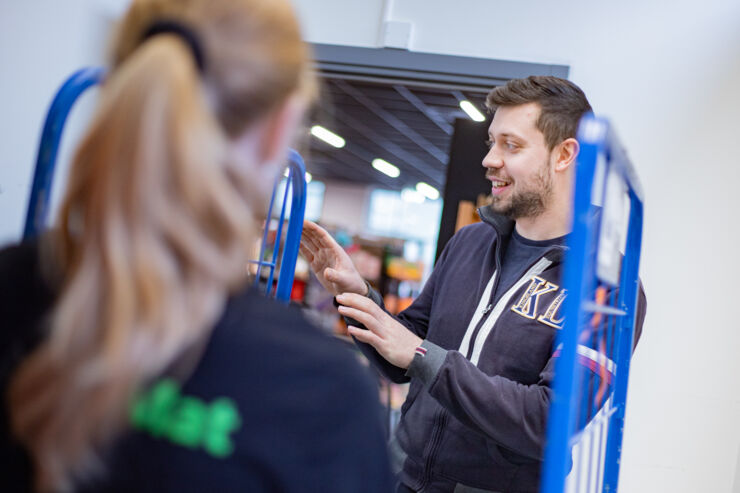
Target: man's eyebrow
[[505, 135]]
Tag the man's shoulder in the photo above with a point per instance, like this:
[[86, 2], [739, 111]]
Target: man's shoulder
[[474, 234], [477, 228]]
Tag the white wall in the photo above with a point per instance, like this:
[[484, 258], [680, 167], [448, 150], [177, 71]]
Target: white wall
[[736, 489], [41, 43], [668, 75], [345, 206]]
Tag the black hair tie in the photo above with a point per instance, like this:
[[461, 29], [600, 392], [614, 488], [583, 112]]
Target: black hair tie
[[184, 32]]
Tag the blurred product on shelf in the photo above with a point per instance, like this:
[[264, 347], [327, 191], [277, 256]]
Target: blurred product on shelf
[[368, 263], [467, 211], [404, 270]]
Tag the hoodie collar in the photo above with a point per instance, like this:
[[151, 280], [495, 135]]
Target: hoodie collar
[[504, 226]]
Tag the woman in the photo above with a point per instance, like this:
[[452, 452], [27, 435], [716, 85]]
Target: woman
[[133, 357]]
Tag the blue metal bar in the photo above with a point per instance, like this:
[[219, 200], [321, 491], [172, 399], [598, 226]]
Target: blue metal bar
[[596, 138], [278, 237], [295, 227], [595, 129], [592, 409], [629, 289], [259, 262], [610, 335], [38, 204], [603, 334], [576, 278], [286, 256], [590, 306], [268, 218]]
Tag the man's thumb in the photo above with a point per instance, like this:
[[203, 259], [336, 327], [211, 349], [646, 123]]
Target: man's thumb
[[331, 274]]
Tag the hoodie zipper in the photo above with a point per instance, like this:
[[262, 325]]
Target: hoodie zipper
[[486, 327], [466, 345], [440, 420], [471, 344]]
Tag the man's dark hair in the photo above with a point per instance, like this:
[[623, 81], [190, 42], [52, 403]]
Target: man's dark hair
[[562, 104]]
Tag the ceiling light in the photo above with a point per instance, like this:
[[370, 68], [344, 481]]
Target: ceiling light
[[386, 167], [411, 195], [427, 190], [472, 111], [327, 136]]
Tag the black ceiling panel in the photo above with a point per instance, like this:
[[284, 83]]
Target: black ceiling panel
[[406, 125]]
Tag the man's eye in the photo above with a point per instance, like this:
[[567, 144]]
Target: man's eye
[[489, 143], [511, 146]]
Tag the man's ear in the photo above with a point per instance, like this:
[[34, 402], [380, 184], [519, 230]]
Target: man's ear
[[565, 154], [280, 129]]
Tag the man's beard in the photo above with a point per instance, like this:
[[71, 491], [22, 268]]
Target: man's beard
[[526, 202]]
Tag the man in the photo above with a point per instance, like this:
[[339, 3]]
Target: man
[[478, 343]]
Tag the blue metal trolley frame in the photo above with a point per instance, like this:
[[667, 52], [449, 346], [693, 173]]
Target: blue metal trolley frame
[[612, 319], [296, 187], [38, 205]]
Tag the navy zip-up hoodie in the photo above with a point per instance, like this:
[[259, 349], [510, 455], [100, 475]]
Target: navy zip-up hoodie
[[477, 406]]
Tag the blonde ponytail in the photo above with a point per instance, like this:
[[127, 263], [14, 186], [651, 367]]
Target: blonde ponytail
[[155, 231]]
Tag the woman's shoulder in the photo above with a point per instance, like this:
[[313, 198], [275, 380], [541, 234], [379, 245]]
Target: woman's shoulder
[[277, 341], [25, 294], [18, 258], [268, 321], [21, 270], [279, 397]]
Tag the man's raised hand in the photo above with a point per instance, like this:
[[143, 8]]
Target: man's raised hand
[[330, 262]]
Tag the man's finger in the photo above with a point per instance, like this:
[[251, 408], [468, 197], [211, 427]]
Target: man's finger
[[305, 245], [360, 302], [341, 277], [306, 252], [306, 248], [331, 275], [365, 336], [309, 225], [314, 232], [319, 235], [310, 242], [364, 318]]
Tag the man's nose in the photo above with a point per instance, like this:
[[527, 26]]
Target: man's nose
[[492, 159]]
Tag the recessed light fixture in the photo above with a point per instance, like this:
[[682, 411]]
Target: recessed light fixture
[[472, 111], [327, 136], [385, 167], [427, 190]]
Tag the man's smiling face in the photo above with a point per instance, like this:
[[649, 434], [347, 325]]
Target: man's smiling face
[[518, 162]]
